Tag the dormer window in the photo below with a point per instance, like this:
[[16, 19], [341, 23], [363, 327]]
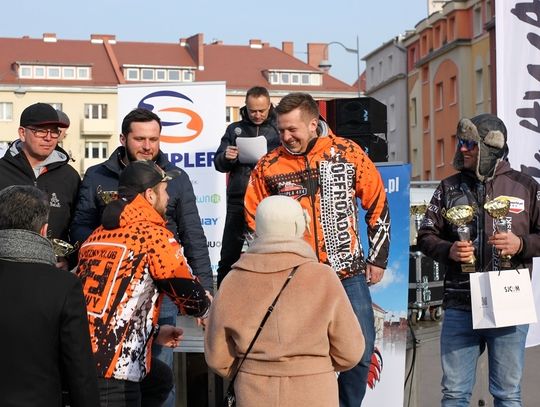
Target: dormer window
[[158, 74], [288, 77]]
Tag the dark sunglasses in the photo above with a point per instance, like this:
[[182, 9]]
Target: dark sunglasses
[[468, 144]]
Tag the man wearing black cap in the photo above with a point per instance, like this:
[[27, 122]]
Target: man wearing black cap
[[484, 174], [36, 159], [125, 265]]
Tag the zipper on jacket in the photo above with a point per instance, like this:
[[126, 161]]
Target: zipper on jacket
[[311, 194], [481, 222]]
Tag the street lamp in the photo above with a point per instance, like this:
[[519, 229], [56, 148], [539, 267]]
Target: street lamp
[[326, 65]]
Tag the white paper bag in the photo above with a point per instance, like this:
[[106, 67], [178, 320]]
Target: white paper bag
[[502, 298]]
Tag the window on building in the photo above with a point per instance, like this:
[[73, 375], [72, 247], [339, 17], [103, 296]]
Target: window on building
[[488, 10], [96, 149], [392, 117], [132, 74], [83, 73], [95, 111], [147, 74], [39, 72], [295, 79], [425, 74], [285, 78], [390, 64], [54, 72], [479, 78], [381, 72], [228, 114], [413, 112], [452, 28], [425, 124], [439, 97], [477, 21], [452, 91], [188, 76], [25, 72], [305, 79], [69, 73], [6, 111], [437, 37], [439, 159], [174, 75], [161, 75]]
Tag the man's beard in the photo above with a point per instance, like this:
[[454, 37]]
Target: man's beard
[[131, 157]]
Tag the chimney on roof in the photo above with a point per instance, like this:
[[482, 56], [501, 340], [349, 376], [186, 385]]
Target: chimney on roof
[[101, 38], [183, 42], [255, 43], [316, 53], [195, 45], [49, 37], [288, 47]]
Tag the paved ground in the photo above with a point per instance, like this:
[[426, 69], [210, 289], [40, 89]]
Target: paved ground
[[426, 376]]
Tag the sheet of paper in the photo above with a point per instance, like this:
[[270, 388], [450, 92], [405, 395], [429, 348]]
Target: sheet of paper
[[250, 149]]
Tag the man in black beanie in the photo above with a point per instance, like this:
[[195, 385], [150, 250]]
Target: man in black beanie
[[484, 174]]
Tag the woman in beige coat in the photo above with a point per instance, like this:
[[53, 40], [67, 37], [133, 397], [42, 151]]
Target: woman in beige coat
[[312, 332]]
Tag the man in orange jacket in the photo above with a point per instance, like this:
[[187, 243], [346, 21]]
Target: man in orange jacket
[[125, 266], [327, 174]]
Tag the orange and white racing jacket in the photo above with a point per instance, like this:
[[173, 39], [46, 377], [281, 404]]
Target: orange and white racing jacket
[[123, 272], [326, 180]]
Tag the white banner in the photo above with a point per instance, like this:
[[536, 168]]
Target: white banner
[[518, 97], [193, 120]]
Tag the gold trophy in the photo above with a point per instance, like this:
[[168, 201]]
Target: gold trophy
[[461, 215], [497, 209], [106, 196], [62, 248], [418, 211]]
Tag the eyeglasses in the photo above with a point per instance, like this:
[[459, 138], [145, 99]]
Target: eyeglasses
[[42, 133], [468, 144]]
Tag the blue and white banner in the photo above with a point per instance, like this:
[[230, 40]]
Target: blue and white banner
[[390, 295], [193, 120], [518, 98]]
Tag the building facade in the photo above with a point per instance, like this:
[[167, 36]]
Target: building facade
[[80, 77], [449, 76]]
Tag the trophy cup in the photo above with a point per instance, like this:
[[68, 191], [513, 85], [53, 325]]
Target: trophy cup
[[461, 215], [106, 196], [418, 211], [497, 209], [62, 248]]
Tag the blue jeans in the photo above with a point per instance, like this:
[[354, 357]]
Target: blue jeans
[[352, 383], [167, 316], [461, 345]]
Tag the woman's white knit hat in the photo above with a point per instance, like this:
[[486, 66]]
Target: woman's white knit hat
[[280, 216]]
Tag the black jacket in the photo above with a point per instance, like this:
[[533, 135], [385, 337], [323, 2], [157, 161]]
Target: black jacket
[[182, 214], [436, 235], [239, 173], [60, 181], [45, 338]]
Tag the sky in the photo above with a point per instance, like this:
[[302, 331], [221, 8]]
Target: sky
[[233, 22]]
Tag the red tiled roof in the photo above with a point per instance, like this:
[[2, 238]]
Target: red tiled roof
[[65, 52], [241, 67]]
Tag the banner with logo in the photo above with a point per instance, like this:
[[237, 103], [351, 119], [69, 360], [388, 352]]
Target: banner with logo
[[387, 373], [193, 120], [518, 97]]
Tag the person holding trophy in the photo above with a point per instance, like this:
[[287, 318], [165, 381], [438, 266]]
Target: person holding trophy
[[484, 218]]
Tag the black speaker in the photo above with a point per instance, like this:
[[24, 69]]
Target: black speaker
[[356, 116], [375, 147]]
